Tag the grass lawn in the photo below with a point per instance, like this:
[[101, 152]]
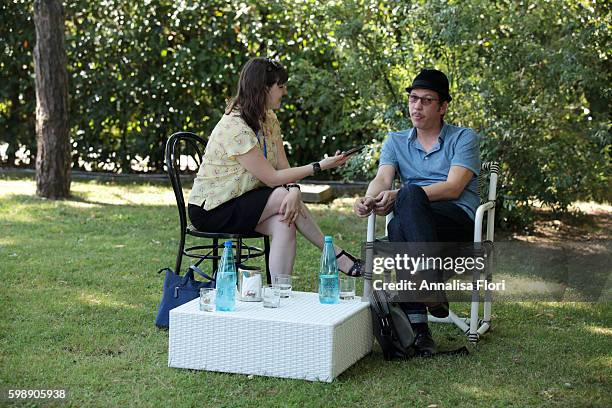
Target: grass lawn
[[79, 296]]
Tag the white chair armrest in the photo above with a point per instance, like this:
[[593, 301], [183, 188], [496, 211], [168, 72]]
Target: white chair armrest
[[370, 235], [370, 238], [480, 211], [388, 219]]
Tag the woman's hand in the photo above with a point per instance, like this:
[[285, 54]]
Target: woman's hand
[[334, 161], [290, 208]]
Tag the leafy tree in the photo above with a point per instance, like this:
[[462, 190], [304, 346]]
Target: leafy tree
[[52, 128], [533, 78], [17, 98]]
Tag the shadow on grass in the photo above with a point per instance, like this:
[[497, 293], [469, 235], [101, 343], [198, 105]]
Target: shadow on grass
[[74, 198]]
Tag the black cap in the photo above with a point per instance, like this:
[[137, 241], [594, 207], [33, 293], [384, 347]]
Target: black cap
[[434, 80]]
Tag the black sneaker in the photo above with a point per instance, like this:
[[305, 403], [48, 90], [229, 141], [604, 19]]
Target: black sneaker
[[438, 309], [423, 343]]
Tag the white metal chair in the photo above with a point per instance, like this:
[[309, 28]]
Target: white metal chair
[[472, 326]]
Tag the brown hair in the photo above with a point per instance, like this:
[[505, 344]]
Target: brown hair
[[256, 76]]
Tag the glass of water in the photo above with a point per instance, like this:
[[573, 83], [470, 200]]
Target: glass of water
[[271, 296], [283, 282], [207, 299], [347, 287]]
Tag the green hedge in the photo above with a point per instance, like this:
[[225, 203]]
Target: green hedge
[[533, 78]]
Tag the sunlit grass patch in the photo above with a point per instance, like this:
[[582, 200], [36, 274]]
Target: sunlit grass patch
[[80, 291]]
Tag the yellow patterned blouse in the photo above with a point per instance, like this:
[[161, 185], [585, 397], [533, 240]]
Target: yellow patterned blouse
[[221, 177]]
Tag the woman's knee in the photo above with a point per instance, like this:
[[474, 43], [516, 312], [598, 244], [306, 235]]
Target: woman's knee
[[277, 197], [281, 229]]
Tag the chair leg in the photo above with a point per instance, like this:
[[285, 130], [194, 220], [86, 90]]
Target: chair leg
[[486, 319], [215, 255], [267, 258], [179, 255], [472, 334], [238, 252]]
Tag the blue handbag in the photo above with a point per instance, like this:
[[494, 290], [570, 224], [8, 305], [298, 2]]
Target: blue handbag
[[179, 290]]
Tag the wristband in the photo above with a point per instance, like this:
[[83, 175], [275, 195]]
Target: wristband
[[316, 168], [292, 185]]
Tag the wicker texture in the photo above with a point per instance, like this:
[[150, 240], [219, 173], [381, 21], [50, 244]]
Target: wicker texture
[[302, 339]]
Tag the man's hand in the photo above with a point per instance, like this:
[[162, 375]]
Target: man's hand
[[385, 201], [290, 208], [364, 206]]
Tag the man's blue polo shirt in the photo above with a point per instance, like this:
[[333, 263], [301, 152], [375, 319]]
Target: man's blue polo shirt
[[456, 146]]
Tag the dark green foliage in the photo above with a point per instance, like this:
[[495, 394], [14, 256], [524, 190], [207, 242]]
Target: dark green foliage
[[533, 78], [142, 70], [17, 95]]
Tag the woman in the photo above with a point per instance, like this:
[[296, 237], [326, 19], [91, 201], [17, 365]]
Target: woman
[[245, 183]]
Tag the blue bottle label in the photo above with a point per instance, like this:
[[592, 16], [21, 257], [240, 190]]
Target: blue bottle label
[[329, 289], [226, 292]]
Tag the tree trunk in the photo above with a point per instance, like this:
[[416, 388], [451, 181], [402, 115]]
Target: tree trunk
[[52, 127]]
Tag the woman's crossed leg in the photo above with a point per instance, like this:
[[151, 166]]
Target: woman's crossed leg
[[283, 246]]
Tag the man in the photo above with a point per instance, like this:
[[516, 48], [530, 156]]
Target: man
[[438, 164]]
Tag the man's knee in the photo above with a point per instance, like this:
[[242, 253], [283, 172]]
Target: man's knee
[[410, 195]]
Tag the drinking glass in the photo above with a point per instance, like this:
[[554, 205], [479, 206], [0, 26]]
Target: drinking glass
[[271, 296], [283, 282], [347, 287], [207, 299]]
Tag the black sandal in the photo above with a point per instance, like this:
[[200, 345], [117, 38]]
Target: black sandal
[[357, 268]]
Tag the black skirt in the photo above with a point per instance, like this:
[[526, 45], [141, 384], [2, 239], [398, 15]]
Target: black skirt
[[239, 215]]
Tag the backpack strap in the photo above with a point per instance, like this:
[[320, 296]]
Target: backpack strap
[[461, 351], [199, 272]]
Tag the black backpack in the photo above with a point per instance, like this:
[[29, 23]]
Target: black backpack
[[392, 329]]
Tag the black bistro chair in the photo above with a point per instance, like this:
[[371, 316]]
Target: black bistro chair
[[185, 149]]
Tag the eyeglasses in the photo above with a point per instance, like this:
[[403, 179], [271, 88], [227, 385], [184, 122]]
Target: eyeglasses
[[425, 100], [272, 65]]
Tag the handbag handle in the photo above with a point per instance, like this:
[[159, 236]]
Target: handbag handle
[[199, 272]]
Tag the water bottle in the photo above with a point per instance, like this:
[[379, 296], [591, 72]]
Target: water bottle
[[329, 287], [226, 280]]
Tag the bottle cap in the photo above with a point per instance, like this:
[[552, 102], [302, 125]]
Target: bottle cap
[[328, 238], [227, 244]]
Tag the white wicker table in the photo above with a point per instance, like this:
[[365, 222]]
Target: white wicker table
[[301, 339]]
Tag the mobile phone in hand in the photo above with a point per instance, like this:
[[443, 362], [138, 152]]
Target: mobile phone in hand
[[353, 150]]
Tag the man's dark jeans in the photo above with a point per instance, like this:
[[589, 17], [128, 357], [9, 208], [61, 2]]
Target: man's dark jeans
[[419, 220]]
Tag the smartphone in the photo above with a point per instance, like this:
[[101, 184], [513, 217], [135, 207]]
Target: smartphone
[[353, 150]]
